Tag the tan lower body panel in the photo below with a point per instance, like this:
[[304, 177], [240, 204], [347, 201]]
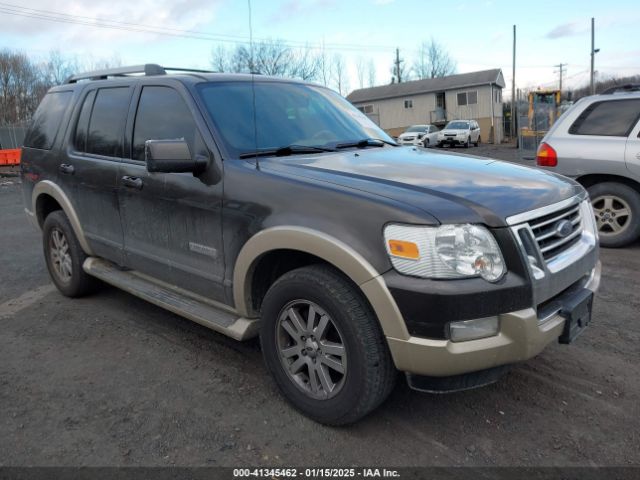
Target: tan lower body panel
[[521, 337]]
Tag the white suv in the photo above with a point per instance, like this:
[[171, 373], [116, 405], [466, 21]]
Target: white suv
[[597, 142], [460, 132]]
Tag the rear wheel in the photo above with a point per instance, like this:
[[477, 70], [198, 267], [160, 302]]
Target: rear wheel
[[64, 256], [617, 211], [324, 346]]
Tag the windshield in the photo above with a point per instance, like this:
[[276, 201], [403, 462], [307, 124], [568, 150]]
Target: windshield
[[416, 128], [458, 126], [285, 114]]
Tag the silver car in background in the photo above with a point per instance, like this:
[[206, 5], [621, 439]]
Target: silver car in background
[[597, 142], [424, 135]]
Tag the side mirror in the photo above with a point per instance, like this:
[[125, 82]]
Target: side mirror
[[172, 156]]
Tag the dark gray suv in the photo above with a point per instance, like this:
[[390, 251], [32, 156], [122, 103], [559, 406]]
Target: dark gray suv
[[264, 206]]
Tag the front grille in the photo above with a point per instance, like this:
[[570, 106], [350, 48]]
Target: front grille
[[545, 230]]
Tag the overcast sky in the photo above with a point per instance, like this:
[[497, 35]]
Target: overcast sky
[[477, 34]]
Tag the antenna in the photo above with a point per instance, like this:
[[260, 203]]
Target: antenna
[[253, 87]]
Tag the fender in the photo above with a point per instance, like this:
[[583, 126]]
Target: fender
[[49, 188], [330, 249]]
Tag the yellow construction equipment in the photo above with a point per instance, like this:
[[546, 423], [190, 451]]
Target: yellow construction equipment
[[544, 110]]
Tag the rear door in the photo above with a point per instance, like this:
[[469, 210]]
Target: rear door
[[596, 141], [91, 167]]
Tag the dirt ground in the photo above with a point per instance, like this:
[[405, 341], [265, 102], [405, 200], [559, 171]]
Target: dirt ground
[[111, 380]]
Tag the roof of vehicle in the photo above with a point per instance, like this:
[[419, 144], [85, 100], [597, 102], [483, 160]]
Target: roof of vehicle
[[139, 72]]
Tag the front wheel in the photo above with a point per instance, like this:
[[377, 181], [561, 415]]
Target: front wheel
[[466, 144], [477, 142], [617, 211], [425, 143], [324, 346]]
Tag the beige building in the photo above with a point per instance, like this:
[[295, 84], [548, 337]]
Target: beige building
[[466, 96]]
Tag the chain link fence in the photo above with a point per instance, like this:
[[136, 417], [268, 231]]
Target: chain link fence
[[12, 136]]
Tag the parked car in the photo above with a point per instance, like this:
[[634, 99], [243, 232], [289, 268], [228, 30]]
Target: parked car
[[597, 142], [460, 132], [413, 135], [267, 206]]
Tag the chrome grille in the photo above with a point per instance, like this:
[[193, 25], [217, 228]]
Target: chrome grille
[[545, 231]]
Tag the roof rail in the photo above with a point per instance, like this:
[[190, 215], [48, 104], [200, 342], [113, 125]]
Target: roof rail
[[629, 87], [148, 69]]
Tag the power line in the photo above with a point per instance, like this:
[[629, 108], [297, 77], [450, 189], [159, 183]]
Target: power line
[[59, 17]]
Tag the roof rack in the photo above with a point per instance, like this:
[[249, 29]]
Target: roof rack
[[629, 87], [148, 69]]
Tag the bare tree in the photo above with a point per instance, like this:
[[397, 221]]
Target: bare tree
[[360, 71], [341, 77], [371, 70], [433, 61], [325, 68], [270, 57]]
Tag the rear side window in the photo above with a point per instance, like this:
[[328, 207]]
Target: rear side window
[[162, 115], [615, 118], [106, 126], [47, 120], [82, 128]]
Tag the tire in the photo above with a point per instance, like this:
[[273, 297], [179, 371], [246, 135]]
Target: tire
[[477, 142], [440, 145], [64, 256], [368, 373], [617, 211], [425, 143], [467, 143]]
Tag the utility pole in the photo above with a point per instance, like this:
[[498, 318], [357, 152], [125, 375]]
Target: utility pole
[[397, 62], [513, 87], [560, 66], [593, 54]]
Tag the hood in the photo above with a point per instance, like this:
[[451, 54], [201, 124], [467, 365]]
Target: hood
[[453, 188]]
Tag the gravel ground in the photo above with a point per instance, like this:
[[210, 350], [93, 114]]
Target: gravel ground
[[112, 380]]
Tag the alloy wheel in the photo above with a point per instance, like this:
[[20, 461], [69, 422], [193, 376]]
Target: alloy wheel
[[60, 255], [311, 349], [613, 214]]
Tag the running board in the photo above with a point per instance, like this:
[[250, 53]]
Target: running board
[[206, 312]]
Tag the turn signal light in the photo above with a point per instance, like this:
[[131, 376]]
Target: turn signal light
[[402, 249], [547, 156]]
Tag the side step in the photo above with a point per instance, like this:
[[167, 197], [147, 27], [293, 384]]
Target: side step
[[218, 317]]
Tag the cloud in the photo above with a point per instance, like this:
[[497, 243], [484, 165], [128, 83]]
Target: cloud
[[566, 30], [72, 19], [294, 8]]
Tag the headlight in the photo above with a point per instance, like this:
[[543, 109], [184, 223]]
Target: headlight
[[445, 252]]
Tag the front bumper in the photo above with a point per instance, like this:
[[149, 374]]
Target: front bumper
[[522, 336]]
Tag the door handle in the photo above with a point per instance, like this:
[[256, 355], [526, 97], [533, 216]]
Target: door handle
[[66, 169], [132, 182]]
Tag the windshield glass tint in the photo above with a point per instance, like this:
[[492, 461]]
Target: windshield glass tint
[[285, 114], [416, 128], [458, 125]]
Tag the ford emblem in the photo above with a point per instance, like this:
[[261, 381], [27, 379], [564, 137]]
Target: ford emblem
[[563, 228]]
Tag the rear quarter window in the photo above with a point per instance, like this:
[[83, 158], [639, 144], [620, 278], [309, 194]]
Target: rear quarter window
[[613, 118], [47, 120]]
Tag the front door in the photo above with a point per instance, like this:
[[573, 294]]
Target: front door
[[172, 221], [632, 151]]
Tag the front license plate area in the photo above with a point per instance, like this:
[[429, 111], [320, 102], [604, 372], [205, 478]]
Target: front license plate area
[[577, 313]]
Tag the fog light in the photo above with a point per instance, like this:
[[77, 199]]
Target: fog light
[[473, 329]]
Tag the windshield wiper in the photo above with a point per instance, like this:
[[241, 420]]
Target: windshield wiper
[[366, 142], [292, 149]]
